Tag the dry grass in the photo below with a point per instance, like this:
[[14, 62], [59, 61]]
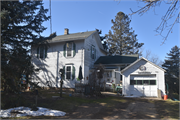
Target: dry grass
[[165, 109]]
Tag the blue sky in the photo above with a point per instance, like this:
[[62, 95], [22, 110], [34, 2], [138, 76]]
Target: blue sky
[[81, 16]]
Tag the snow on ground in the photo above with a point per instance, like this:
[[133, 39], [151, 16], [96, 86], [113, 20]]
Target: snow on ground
[[26, 111]]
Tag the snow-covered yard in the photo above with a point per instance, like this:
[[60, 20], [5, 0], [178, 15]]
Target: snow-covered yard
[[26, 111]]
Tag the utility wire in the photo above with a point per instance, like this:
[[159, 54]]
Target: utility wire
[[50, 17]]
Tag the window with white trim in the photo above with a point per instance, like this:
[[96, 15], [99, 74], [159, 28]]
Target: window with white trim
[[68, 72], [69, 48]]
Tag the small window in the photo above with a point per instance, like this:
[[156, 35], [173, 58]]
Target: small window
[[152, 82], [139, 82], [145, 82], [68, 72], [120, 77], [93, 52], [41, 51], [132, 82]]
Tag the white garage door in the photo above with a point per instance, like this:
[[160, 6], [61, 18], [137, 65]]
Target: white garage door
[[143, 85]]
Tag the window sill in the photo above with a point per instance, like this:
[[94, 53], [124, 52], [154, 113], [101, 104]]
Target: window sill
[[69, 57]]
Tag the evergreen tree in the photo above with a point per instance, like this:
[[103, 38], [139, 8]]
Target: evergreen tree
[[122, 40], [171, 65], [21, 26]]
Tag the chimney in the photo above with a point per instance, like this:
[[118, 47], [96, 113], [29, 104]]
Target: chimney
[[66, 31]]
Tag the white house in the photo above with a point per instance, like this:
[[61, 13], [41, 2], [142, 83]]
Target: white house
[[137, 76], [143, 78], [68, 52]]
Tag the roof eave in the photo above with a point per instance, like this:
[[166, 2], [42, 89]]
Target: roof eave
[[114, 64], [65, 40], [103, 51], [138, 61]]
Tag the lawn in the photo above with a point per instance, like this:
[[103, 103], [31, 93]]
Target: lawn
[[76, 107]]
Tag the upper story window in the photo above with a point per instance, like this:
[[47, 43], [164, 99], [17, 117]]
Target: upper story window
[[69, 49], [93, 52], [42, 51]]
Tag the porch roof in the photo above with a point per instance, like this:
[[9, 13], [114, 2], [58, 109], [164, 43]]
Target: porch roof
[[121, 59]]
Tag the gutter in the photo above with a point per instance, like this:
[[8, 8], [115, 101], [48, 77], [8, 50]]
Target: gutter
[[126, 64], [64, 40], [118, 72]]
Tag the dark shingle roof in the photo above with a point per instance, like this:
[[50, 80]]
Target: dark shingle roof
[[123, 59], [74, 36]]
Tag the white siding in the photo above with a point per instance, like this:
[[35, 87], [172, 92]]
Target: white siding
[[91, 40], [134, 70], [55, 60]]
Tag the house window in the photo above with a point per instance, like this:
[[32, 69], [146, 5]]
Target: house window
[[152, 82], [69, 49], [68, 72], [93, 52], [142, 82], [42, 51], [139, 82], [146, 82], [132, 82], [121, 77], [109, 74]]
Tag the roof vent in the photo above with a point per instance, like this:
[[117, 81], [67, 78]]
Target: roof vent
[[66, 31]]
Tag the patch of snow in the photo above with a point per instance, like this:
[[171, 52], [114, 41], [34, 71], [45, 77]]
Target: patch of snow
[[27, 111]]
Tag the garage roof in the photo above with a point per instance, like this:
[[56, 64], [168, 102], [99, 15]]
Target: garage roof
[[142, 58], [121, 59]]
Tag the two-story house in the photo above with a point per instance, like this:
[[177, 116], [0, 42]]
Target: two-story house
[[68, 52], [137, 76]]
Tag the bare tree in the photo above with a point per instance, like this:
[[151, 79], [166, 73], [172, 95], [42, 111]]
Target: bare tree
[[171, 13], [153, 58], [148, 53]]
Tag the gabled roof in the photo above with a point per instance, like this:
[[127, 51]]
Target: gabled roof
[[69, 37], [142, 58], [121, 59]]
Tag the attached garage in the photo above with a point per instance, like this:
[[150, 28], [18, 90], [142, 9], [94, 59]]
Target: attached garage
[[143, 78]]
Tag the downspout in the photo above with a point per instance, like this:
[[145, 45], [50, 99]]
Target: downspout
[[82, 52], [57, 69]]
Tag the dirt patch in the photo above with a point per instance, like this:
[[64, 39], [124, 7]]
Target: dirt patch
[[134, 110]]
